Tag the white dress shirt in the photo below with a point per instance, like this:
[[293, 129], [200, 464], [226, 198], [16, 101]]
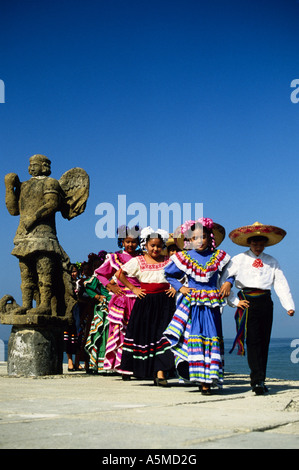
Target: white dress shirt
[[259, 272]]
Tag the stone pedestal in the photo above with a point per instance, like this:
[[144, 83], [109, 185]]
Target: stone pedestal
[[35, 351]]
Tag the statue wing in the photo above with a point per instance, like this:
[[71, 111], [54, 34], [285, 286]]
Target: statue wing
[[75, 187]]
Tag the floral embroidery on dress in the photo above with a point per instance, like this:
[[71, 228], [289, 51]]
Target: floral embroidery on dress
[[144, 266]]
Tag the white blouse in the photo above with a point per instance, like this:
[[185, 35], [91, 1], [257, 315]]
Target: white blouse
[[260, 272], [144, 272]]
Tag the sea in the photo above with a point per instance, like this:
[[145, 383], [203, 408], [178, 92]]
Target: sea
[[283, 359]]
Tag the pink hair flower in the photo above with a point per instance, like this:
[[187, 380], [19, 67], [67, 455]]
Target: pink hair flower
[[187, 225], [206, 222]]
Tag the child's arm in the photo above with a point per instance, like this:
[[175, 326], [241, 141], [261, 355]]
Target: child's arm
[[227, 279], [185, 290], [172, 275], [225, 289], [283, 292], [105, 272], [234, 302], [113, 287], [243, 304], [171, 292], [93, 289], [121, 276]]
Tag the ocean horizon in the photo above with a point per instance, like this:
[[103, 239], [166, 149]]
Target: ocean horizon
[[283, 359]]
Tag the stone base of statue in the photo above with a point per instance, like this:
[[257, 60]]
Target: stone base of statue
[[35, 351], [35, 346]]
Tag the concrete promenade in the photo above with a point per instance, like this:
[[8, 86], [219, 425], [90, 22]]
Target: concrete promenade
[[80, 411]]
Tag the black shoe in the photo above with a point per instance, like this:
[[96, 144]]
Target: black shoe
[[125, 377], [161, 382], [259, 389]]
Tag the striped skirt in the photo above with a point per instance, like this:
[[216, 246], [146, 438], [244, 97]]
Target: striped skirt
[[120, 308], [96, 341], [195, 335], [145, 349]]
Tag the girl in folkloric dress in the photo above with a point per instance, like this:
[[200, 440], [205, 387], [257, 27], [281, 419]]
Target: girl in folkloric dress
[[96, 341], [146, 352], [195, 332], [122, 300]]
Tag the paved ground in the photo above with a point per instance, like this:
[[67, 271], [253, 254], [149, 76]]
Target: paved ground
[[80, 411]]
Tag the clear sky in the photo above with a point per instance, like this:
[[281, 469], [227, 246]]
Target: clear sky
[[183, 101]]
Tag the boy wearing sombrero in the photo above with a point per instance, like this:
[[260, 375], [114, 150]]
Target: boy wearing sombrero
[[255, 273]]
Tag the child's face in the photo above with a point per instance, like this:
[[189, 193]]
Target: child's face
[[257, 247], [74, 273], [199, 240], [130, 244], [171, 250], [154, 247]]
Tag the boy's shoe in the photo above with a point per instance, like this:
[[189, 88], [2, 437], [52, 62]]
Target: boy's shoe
[[259, 389]]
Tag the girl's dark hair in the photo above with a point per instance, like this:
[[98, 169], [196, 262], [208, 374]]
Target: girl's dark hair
[[156, 235], [124, 231]]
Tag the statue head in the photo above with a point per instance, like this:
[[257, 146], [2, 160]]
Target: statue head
[[39, 165]]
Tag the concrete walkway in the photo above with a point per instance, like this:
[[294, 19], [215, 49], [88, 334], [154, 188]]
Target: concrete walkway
[[80, 411]]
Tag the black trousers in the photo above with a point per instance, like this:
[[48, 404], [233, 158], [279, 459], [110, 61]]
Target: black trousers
[[259, 326]]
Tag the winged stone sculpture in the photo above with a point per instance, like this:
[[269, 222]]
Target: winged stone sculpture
[[44, 265]]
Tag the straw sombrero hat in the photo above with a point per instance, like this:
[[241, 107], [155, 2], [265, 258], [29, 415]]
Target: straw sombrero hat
[[219, 233], [176, 239], [274, 234]]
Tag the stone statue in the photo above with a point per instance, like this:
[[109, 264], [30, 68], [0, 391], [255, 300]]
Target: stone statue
[[44, 265]]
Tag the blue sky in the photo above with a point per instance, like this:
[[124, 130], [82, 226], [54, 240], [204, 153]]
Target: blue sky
[[161, 101]]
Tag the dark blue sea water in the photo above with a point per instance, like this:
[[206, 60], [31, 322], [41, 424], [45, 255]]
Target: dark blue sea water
[[283, 361]]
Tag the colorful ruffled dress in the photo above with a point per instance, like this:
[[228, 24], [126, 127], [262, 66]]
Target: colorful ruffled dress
[[195, 332], [120, 308], [146, 350], [96, 341]]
